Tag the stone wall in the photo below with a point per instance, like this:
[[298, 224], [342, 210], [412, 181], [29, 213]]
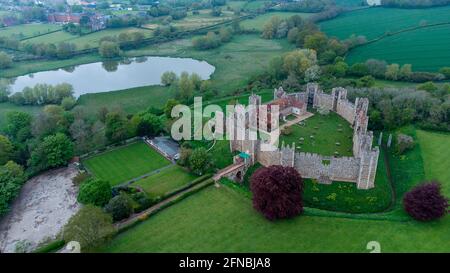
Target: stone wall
[[325, 168]]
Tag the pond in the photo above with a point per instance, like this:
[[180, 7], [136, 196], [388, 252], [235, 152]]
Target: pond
[[114, 75]]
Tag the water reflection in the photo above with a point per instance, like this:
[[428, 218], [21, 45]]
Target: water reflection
[[115, 75]]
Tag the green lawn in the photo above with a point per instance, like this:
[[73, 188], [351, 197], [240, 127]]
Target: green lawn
[[55, 37], [125, 163], [327, 130], [258, 22], [167, 180], [435, 152], [130, 100], [407, 170], [28, 30], [362, 22], [223, 220]]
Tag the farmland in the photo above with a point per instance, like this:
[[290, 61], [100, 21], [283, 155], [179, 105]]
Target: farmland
[[362, 22], [420, 48], [27, 31], [122, 164]]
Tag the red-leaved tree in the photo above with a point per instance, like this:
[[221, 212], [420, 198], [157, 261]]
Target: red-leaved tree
[[425, 202], [277, 192]]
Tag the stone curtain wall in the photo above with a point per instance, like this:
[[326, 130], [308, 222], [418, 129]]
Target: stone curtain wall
[[316, 166]]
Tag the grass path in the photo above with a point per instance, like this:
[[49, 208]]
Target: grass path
[[435, 152]]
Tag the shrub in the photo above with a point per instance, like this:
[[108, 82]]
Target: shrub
[[142, 200], [425, 202], [404, 143], [80, 178], [96, 192], [277, 192], [120, 207], [91, 227]]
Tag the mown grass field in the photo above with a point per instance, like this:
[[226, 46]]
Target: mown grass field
[[363, 22], [125, 163], [28, 30], [326, 131], [167, 180], [426, 49], [258, 22], [435, 148], [223, 220]]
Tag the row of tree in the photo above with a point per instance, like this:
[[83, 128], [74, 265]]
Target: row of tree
[[213, 39], [382, 70], [40, 94]]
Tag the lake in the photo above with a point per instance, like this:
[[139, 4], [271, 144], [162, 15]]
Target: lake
[[115, 75]]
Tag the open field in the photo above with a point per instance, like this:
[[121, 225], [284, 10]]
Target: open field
[[28, 30], [122, 164], [435, 147], [203, 19], [362, 22], [165, 181], [88, 40], [258, 22], [326, 131], [426, 49], [222, 220], [254, 5]]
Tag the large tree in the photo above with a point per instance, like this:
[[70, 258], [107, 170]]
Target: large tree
[[277, 192], [5, 60], [54, 151], [95, 191], [12, 178], [91, 227], [425, 202], [6, 149]]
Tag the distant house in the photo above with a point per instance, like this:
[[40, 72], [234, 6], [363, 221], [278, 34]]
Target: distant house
[[96, 21], [64, 18]]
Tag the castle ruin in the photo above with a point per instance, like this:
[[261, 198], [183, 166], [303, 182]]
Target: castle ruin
[[359, 169]]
